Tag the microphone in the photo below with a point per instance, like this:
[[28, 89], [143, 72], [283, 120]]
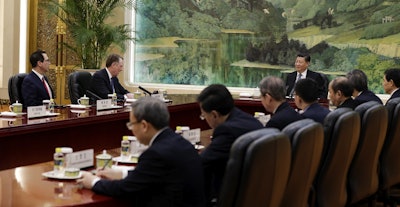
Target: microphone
[[93, 97], [146, 91]]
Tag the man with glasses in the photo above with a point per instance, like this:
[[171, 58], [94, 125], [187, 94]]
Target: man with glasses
[[35, 86], [273, 99], [217, 108], [168, 173]]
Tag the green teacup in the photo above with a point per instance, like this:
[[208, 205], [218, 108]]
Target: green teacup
[[16, 107], [83, 101]]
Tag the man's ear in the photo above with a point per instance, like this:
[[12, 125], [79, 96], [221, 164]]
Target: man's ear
[[145, 124], [392, 83], [339, 92], [301, 101], [215, 113]]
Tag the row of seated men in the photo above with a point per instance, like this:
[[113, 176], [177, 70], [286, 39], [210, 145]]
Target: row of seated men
[[171, 173], [164, 175], [35, 86]]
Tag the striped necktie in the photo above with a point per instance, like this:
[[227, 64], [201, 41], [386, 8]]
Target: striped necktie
[[45, 87]]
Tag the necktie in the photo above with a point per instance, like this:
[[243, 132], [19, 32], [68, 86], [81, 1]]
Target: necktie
[[45, 87], [297, 79], [112, 85]]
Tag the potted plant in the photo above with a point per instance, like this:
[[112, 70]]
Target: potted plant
[[86, 24]]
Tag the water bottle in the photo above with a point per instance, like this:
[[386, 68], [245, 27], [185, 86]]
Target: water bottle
[[114, 99], [51, 106], [58, 161], [125, 148]]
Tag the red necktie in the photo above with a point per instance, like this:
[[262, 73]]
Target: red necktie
[[45, 86]]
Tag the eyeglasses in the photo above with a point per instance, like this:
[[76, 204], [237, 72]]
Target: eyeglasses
[[129, 125]]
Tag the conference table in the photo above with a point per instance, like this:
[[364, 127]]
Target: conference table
[[27, 147], [26, 141]]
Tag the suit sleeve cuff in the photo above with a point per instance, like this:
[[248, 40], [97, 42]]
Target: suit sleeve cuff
[[124, 173], [95, 180]]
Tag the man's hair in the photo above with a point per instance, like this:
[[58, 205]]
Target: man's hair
[[342, 84], [307, 89], [273, 86], [306, 57], [358, 78], [152, 110], [216, 97], [36, 56], [112, 59], [394, 75]]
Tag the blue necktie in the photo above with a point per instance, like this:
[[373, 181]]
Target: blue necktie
[[112, 85]]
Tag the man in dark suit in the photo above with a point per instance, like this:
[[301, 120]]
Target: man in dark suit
[[391, 82], [105, 81], [168, 173], [361, 93], [340, 91], [306, 99], [302, 71], [272, 90], [35, 87], [217, 108]]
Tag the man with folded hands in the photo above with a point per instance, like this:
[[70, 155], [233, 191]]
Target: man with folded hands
[[218, 109], [168, 173], [105, 81]]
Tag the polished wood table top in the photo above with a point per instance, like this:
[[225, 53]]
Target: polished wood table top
[[26, 186]]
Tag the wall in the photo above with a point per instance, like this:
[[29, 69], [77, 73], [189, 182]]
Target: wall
[[9, 43]]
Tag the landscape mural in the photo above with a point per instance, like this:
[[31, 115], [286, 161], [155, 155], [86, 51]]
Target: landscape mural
[[238, 42]]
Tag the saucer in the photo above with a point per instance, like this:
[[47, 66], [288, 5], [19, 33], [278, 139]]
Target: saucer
[[130, 100], [78, 106], [119, 159], [61, 176], [10, 114], [78, 111]]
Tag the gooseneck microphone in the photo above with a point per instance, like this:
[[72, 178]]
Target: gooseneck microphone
[[146, 91]]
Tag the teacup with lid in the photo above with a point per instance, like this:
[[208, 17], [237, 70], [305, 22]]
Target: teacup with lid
[[16, 107]]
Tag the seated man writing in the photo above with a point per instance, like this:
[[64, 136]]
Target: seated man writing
[[168, 173]]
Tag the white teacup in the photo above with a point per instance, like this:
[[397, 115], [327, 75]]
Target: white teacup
[[83, 101], [103, 160], [16, 107]]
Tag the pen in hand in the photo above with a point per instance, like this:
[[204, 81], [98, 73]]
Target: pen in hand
[[105, 164]]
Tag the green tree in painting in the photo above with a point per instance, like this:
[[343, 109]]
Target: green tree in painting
[[374, 66], [354, 5]]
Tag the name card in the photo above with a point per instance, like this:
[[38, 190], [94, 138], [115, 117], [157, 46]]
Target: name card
[[103, 104], [36, 111], [193, 135], [80, 159], [158, 95]]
